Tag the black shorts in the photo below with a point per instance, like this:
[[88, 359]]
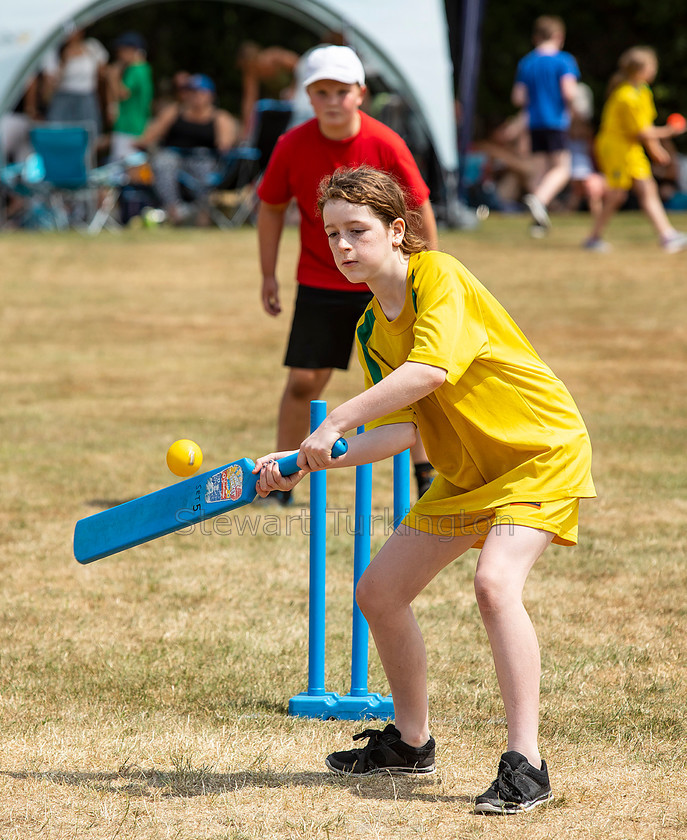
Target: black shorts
[[549, 140], [323, 327]]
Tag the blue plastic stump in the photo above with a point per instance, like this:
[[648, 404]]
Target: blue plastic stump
[[316, 702], [361, 560], [401, 485]]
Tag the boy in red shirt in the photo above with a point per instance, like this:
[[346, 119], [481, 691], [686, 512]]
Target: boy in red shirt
[[327, 308]]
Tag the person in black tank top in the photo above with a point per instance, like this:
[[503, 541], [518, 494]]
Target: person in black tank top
[[191, 136], [186, 134]]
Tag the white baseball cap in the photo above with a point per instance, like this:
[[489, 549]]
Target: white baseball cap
[[338, 63]]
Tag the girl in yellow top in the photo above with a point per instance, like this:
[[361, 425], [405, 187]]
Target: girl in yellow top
[[513, 457], [627, 130]]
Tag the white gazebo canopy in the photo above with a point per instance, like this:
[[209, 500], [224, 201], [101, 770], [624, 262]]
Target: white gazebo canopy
[[407, 41]]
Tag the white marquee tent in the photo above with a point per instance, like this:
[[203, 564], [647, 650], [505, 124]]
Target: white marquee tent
[[407, 41]]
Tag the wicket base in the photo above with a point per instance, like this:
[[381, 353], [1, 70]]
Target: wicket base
[[331, 705]]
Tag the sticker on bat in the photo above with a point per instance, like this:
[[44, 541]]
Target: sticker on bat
[[226, 484]]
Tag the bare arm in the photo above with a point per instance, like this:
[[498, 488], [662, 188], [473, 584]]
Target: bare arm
[[31, 99], [568, 88], [656, 151], [428, 225], [513, 161], [250, 95], [375, 445], [518, 95], [50, 82], [651, 138], [226, 132], [113, 74], [659, 132], [115, 90], [402, 387], [159, 126], [270, 226]]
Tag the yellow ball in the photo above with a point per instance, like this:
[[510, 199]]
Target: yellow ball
[[184, 457]]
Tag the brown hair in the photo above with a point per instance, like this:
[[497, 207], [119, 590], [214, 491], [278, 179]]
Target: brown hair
[[547, 27], [380, 192], [629, 63]]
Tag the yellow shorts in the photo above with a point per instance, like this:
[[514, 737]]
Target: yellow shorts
[[558, 517], [622, 164]]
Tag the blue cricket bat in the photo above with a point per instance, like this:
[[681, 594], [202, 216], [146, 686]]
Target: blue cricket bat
[[173, 508]]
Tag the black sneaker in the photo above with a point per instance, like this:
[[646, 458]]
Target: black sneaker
[[385, 753], [518, 787]]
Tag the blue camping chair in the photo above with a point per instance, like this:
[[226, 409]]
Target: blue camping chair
[[66, 152], [243, 167], [43, 210], [72, 192], [66, 155], [59, 184], [233, 173]]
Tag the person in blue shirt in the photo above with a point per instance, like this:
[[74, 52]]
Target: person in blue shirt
[[546, 84]]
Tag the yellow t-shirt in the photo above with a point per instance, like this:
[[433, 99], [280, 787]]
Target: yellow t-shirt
[[502, 428], [620, 155]]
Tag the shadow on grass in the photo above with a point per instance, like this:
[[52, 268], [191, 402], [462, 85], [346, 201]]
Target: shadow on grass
[[102, 504], [131, 780]]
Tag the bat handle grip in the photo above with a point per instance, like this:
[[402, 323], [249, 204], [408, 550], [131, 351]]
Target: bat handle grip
[[288, 465]]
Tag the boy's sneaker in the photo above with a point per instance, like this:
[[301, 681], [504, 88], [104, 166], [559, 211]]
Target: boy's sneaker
[[537, 210], [518, 787], [597, 245], [385, 752], [674, 243], [538, 231]]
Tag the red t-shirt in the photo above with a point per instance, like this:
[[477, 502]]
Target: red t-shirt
[[303, 156]]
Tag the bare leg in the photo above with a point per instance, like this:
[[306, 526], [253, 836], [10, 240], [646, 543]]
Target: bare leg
[[166, 164], [651, 204], [401, 570], [302, 385], [594, 188], [611, 202], [505, 561], [540, 163], [418, 452], [553, 178]]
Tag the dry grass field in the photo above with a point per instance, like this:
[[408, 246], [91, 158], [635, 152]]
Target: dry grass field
[[145, 696]]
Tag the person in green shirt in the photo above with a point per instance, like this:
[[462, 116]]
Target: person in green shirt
[[131, 94]]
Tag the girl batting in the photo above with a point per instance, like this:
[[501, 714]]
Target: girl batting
[[443, 358]]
